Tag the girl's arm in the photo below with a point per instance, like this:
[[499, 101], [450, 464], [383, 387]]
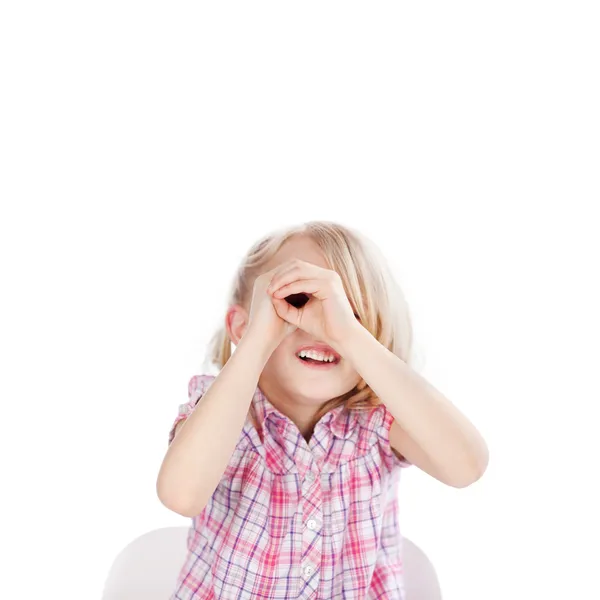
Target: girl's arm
[[429, 431], [198, 455]]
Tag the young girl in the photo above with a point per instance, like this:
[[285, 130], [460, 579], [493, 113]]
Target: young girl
[[288, 460]]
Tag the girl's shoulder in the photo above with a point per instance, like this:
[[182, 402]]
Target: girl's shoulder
[[376, 425], [197, 386]]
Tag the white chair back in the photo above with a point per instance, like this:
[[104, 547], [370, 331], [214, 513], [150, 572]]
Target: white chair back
[[147, 568]]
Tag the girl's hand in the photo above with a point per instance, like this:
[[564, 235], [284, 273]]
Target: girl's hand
[[263, 319], [328, 315]]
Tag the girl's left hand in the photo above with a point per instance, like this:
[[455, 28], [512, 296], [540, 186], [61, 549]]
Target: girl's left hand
[[328, 315]]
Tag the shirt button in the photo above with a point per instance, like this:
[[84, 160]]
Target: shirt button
[[310, 476], [308, 570], [311, 524]]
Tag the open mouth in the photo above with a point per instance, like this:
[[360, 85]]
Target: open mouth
[[317, 359]]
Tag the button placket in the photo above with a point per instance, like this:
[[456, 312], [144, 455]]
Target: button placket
[[312, 540], [309, 479]]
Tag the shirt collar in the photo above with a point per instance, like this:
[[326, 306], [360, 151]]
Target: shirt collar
[[340, 421]]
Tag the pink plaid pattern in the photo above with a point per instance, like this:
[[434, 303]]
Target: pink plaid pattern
[[297, 520]]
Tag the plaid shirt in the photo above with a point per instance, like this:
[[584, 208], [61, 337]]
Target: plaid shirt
[[296, 520]]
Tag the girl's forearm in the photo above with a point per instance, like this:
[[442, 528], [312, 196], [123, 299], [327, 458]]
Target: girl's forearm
[[198, 456], [446, 443]]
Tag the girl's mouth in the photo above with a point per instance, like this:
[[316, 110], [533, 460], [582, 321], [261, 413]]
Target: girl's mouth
[[316, 359], [318, 364]]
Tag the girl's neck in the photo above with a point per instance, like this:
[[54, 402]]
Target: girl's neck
[[301, 415]]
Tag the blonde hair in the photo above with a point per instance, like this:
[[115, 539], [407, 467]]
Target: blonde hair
[[369, 285]]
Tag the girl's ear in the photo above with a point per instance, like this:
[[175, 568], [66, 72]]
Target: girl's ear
[[236, 321]]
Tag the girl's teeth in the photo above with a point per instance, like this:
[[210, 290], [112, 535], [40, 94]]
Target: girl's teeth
[[316, 356]]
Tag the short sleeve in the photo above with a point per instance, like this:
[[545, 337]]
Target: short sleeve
[[393, 458], [197, 387]]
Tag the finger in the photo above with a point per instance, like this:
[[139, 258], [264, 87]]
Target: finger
[[290, 326], [306, 286], [286, 269], [294, 273], [273, 283], [286, 311]]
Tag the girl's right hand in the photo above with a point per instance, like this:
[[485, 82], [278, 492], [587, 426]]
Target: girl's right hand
[[263, 319]]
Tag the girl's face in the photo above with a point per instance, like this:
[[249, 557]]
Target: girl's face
[[288, 379]]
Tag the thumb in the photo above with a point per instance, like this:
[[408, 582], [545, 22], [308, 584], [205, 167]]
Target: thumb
[[279, 309], [286, 311]]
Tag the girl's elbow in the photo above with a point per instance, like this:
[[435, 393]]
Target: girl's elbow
[[177, 503], [467, 477], [464, 480]]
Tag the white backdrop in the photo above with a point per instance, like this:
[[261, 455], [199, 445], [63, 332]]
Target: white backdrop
[[144, 146]]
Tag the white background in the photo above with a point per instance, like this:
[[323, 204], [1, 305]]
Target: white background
[[144, 146]]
